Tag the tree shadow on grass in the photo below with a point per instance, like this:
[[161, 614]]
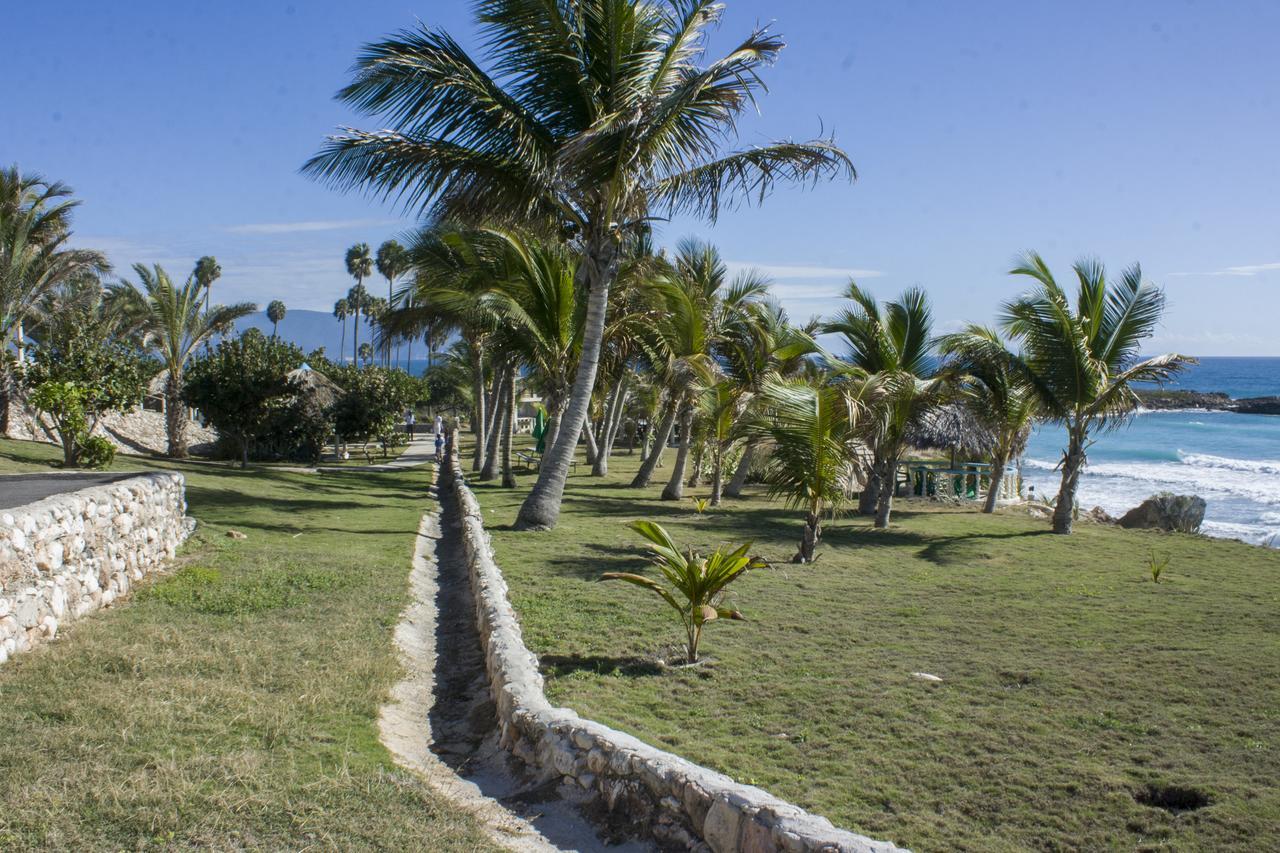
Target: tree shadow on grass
[[630, 666]]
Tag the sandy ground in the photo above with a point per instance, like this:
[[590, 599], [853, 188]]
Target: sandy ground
[[440, 723]]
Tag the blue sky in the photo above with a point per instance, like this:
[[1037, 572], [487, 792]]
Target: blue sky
[[1140, 131]]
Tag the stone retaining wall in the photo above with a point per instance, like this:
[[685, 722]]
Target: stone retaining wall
[[650, 791], [70, 554]]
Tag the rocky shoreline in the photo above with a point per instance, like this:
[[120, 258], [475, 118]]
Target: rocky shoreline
[[1210, 401]]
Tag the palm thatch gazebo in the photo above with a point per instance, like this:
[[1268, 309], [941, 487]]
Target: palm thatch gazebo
[[320, 388], [954, 428]]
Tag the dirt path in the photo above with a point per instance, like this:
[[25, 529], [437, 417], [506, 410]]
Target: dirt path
[[440, 720]]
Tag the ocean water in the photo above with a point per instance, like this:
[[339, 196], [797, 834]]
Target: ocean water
[[1230, 460]]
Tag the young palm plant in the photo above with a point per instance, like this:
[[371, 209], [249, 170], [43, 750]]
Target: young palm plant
[[895, 345], [1081, 362], [587, 115], [697, 583], [993, 387], [173, 321], [814, 429]]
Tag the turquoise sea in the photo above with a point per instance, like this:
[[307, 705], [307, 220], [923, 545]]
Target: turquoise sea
[[1230, 460]]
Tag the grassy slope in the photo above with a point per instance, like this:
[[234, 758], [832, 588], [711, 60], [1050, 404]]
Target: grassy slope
[[1071, 680], [234, 703]]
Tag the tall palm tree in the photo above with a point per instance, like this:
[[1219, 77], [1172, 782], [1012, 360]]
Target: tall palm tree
[[1081, 361], [391, 262], [993, 388], [275, 313], [172, 320], [813, 429], [35, 225], [342, 310], [207, 271], [597, 114], [895, 345], [359, 266]]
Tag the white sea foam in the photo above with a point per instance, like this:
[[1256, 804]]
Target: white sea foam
[[1243, 495], [1254, 466]]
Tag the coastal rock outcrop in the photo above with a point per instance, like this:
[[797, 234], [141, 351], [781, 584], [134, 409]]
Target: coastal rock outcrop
[[1167, 511]]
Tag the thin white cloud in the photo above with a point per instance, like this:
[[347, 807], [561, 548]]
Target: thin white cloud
[[1246, 271], [794, 272], [309, 227]]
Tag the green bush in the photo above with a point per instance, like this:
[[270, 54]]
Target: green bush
[[97, 452]]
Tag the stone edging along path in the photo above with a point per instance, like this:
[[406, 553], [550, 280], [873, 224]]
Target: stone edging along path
[[69, 554], [657, 793]]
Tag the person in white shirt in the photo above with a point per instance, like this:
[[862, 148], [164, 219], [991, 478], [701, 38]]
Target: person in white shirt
[[409, 422], [439, 425]]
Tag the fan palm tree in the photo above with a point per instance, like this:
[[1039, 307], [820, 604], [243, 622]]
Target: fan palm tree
[[359, 266], [172, 320], [993, 388], [1082, 361], [895, 345], [206, 272], [342, 310], [275, 313], [595, 115], [813, 429], [35, 225], [391, 262]]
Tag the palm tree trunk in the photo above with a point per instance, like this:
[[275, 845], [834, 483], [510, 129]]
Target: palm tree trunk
[[355, 339], [717, 474], [494, 440], [699, 456], [619, 410], [811, 537], [661, 435], [175, 415], [739, 480], [508, 429], [1064, 512], [589, 436], [869, 499], [884, 502], [541, 509], [555, 414], [675, 486], [998, 464], [343, 348], [600, 467], [6, 398], [477, 400]]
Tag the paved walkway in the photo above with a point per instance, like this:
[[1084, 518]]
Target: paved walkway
[[419, 452], [21, 489]]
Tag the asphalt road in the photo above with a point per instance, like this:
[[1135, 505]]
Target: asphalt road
[[20, 489]]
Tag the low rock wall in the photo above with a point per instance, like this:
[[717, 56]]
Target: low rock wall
[[68, 555], [649, 791]]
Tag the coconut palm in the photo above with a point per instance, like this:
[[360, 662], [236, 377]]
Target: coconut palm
[[595, 115], [275, 313], [342, 310], [1082, 361], [206, 272], [813, 429], [391, 262], [35, 225], [993, 388], [895, 345], [172, 320], [359, 266]]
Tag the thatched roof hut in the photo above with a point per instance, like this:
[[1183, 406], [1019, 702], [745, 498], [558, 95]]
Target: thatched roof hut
[[319, 387], [952, 427]]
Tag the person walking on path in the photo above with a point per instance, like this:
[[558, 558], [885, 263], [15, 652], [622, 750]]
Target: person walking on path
[[439, 447], [409, 422], [439, 425]]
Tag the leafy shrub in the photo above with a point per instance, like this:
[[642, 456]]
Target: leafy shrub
[[97, 452], [1157, 565], [697, 583]]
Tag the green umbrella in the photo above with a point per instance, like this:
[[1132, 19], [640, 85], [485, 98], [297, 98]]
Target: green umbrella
[[540, 428]]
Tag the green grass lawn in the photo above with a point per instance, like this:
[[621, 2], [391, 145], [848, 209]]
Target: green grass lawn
[[232, 703], [1073, 686]]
